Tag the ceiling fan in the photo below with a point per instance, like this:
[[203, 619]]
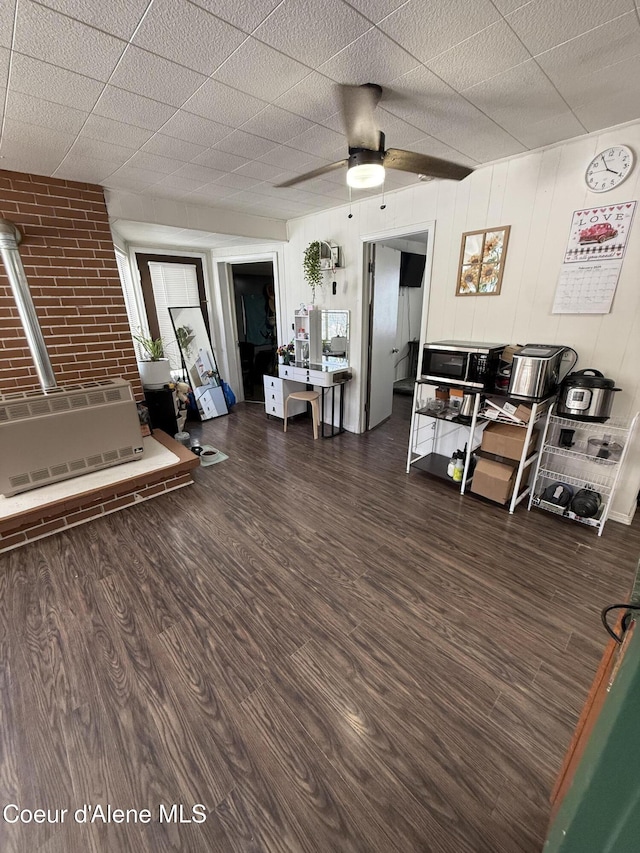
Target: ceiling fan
[[368, 158]]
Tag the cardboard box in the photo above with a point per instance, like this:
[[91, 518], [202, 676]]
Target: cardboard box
[[506, 440], [494, 480], [523, 413]]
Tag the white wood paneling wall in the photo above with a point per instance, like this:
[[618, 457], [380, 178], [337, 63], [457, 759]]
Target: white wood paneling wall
[[535, 193]]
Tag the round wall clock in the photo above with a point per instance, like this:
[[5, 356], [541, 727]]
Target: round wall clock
[[609, 168]]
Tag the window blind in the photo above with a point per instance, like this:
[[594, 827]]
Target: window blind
[[174, 286]]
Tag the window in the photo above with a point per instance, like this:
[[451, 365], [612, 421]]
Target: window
[[129, 292]]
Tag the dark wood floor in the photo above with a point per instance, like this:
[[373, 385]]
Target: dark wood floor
[[327, 653]]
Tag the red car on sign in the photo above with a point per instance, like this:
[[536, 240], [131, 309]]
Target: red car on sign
[[598, 233]]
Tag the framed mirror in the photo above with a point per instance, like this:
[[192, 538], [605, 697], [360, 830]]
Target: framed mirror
[[335, 336], [198, 361], [482, 257]]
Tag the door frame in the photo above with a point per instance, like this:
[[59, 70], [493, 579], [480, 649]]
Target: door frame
[[406, 231], [228, 325]]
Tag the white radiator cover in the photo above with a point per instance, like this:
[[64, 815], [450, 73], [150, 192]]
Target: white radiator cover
[[66, 432]]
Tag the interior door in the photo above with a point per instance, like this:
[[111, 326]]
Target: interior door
[[384, 321]]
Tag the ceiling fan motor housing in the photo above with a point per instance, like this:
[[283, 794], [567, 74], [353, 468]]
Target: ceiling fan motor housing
[[364, 157]]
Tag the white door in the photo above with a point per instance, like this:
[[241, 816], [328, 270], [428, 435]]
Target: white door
[[384, 321]]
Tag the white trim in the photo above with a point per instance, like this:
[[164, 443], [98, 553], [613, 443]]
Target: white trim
[[621, 517], [402, 231]]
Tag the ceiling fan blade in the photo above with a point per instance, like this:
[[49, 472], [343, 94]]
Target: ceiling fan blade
[[331, 167], [423, 164], [358, 107]]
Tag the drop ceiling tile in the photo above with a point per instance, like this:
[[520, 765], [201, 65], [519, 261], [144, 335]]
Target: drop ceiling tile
[[320, 141], [237, 181], [246, 16], [427, 28], [77, 168], [371, 58], [602, 83], [54, 38], [88, 149], [542, 25], [178, 149], [115, 132], [260, 70], [53, 83], [376, 10], [480, 57], [398, 133], [187, 34], [315, 98], [49, 147], [435, 148], [602, 113], [195, 172], [192, 128], [606, 45], [244, 145], [4, 68], [154, 77], [140, 176], [126, 182], [290, 158], [501, 98], [221, 160], [154, 163], [7, 14], [264, 171], [562, 126], [118, 17], [20, 158], [178, 182], [276, 124], [507, 6], [221, 103], [209, 194], [132, 109], [312, 32], [43, 113]]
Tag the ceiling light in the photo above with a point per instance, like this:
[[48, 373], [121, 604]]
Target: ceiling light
[[365, 168]]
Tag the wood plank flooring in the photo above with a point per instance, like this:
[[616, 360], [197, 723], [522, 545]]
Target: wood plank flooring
[[327, 653]]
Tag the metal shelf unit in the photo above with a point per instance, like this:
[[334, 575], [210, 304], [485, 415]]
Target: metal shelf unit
[[578, 468]]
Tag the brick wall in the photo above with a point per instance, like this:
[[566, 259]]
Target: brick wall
[[68, 255]]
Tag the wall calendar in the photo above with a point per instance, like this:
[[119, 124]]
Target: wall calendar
[[593, 259]]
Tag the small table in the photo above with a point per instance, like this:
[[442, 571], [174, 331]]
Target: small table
[[327, 377]]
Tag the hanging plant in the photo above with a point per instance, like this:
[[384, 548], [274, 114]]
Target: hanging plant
[[311, 267]]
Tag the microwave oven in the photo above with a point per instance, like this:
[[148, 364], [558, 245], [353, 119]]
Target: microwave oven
[[464, 364]]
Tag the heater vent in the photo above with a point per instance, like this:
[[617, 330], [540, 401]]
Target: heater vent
[[19, 480], [93, 461], [4, 414], [96, 398], [79, 401], [77, 465], [112, 395], [59, 470], [110, 455], [125, 452], [60, 404], [40, 474], [16, 412], [40, 407]]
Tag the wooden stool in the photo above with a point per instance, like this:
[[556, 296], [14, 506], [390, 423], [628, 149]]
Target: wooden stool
[[310, 397]]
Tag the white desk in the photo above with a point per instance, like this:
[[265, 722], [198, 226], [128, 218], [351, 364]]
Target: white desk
[[328, 376]]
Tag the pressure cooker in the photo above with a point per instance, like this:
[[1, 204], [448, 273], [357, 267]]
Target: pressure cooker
[[586, 395]]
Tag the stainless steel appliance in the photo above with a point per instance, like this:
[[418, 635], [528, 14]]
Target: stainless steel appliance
[[535, 372], [586, 395], [464, 364]]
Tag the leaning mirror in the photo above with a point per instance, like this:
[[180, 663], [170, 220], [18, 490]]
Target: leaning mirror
[[198, 361], [335, 337]]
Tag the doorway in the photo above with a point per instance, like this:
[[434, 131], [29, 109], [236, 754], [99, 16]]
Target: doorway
[[253, 294], [398, 279]]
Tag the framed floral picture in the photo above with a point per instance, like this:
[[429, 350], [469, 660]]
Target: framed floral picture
[[482, 257]]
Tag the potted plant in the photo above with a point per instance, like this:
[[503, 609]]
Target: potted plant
[[154, 368], [311, 267], [285, 353]]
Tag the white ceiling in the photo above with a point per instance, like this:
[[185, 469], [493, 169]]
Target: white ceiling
[[214, 101], [150, 234]]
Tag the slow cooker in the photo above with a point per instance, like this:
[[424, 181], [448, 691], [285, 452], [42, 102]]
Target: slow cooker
[[586, 395]]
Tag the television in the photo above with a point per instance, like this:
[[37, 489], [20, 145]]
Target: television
[[411, 269]]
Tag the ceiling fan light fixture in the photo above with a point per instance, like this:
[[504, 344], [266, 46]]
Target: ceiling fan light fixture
[[365, 169]]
